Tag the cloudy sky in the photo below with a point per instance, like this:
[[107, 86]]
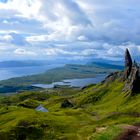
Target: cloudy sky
[[69, 29]]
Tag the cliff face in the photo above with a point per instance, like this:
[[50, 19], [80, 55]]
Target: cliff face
[[130, 75], [128, 64]]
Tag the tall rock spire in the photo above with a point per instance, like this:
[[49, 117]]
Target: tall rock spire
[[128, 60], [128, 63], [131, 75]]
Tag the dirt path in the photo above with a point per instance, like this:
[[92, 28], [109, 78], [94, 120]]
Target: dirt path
[[130, 133]]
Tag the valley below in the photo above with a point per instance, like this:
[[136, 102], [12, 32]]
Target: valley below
[[52, 74]]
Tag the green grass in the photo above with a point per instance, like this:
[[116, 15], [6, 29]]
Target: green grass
[[108, 133], [99, 112]]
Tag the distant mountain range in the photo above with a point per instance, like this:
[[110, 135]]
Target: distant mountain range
[[106, 65], [22, 63], [28, 63]]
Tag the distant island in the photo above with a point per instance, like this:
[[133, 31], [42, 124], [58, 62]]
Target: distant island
[[69, 71]]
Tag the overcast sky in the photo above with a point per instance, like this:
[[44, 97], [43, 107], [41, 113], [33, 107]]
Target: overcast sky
[[69, 29]]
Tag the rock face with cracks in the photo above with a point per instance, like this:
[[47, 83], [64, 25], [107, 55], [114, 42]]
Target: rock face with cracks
[[130, 75], [128, 64]]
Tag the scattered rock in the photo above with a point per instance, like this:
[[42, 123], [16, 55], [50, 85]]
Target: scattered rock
[[66, 103], [130, 133], [100, 129], [112, 77]]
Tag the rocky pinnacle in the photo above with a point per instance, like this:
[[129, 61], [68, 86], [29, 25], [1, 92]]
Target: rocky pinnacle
[[128, 60], [128, 63], [131, 74]]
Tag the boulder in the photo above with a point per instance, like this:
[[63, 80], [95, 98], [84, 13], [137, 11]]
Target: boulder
[[66, 103]]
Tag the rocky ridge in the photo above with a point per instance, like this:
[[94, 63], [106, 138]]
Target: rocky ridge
[[130, 75]]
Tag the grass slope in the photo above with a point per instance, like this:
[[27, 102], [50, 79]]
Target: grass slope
[[99, 113]]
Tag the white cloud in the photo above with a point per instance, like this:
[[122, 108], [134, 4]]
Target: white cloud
[[25, 8], [12, 23], [21, 51], [7, 31], [6, 38], [82, 38], [5, 22], [61, 52], [42, 38], [82, 28], [61, 32]]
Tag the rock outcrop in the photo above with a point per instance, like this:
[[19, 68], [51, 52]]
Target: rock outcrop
[[112, 77], [128, 64], [130, 75], [66, 103]]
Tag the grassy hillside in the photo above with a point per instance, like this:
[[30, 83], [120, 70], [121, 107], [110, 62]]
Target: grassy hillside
[[99, 113]]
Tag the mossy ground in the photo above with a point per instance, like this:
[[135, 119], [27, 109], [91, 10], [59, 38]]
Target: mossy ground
[[99, 112]]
